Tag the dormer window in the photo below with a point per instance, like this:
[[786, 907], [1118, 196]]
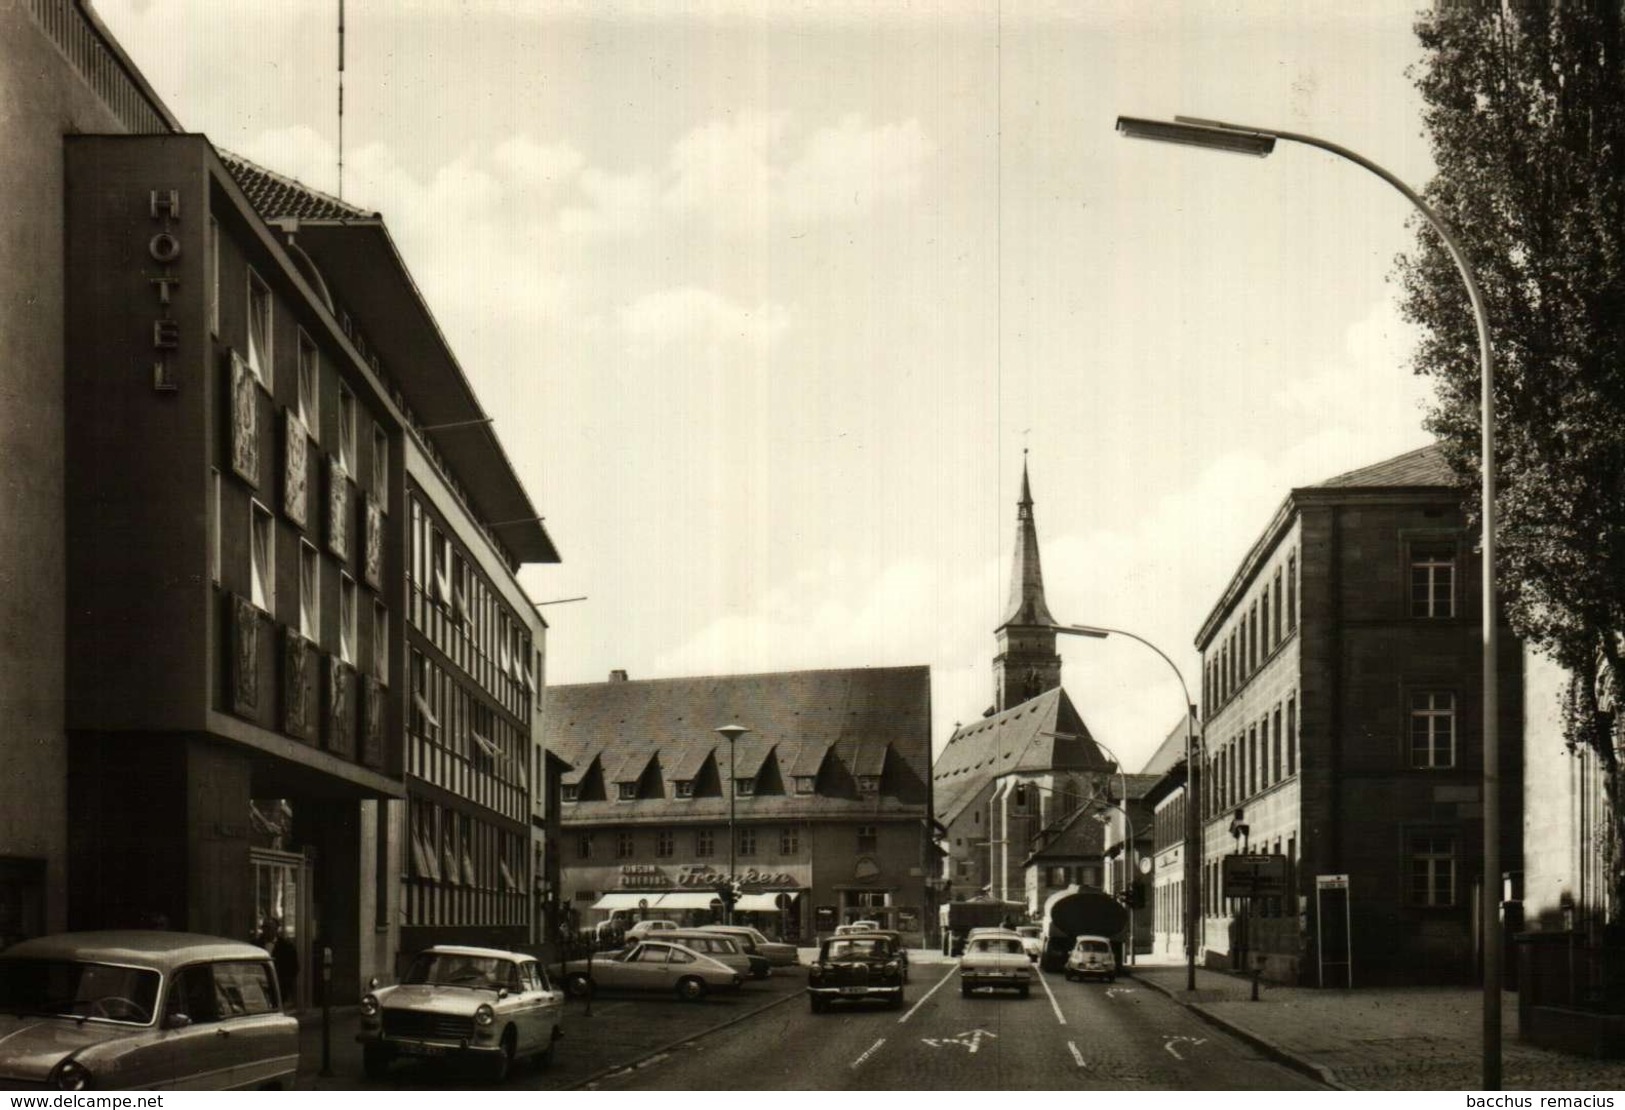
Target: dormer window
[[745, 787], [685, 788], [628, 791], [868, 784], [804, 784], [572, 792]]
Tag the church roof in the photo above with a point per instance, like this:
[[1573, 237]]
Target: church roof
[[1015, 740], [1171, 750], [1079, 837], [1026, 606]]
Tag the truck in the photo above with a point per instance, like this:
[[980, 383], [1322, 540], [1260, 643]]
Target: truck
[[959, 918], [1080, 912]]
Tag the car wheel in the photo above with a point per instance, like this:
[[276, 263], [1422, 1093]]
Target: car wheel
[[896, 1001], [375, 1060], [964, 990], [690, 989], [577, 985], [815, 1004], [1071, 978], [1025, 990], [502, 1066]]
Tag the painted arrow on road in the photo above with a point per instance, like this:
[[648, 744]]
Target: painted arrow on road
[[971, 1039], [1113, 992], [1171, 1041]]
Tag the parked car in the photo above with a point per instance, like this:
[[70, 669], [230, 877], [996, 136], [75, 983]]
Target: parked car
[[721, 948], [856, 927], [777, 953], [898, 946], [640, 930], [854, 968], [142, 1010], [995, 958], [482, 1004], [1032, 940], [1092, 958], [654, 965]]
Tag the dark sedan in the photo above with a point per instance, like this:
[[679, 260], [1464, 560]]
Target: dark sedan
[[854, 969]]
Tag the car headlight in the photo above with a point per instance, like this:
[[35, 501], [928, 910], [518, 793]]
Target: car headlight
[[893, 965], [71, 1075], [484, 1015], [369, 1005]]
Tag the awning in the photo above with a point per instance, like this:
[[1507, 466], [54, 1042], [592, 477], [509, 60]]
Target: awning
[[684, 900], [623, 901], [758, 903]]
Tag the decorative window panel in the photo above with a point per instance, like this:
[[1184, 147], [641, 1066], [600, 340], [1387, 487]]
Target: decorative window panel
[[340, 731], [245, 438], [373, 570], [245, 645], [295, 469], [338, 508], [372, 723], [298, 686]]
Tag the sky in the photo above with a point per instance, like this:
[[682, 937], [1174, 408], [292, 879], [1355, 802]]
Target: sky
[[769, 299]]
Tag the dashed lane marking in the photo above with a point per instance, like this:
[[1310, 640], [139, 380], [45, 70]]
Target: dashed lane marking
[[927, 994], [872, 1050], [1056, 1006], [1076, 1055]]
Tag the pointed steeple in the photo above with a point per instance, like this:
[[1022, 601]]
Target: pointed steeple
[[1026, 606]]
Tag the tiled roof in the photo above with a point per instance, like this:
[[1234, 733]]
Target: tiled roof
[[276, 197], [1424, 466], [800, 720], [1079, 838], [1170, 751], [1136, 785], [1014, 740]]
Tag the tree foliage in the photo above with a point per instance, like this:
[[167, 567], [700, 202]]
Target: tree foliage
[[1525, 108]]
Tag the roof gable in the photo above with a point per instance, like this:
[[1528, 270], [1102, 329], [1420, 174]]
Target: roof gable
[[1040, 734]]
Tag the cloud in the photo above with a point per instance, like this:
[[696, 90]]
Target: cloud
[[700, 319], [850, 169]]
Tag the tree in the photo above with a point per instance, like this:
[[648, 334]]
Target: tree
[[1525, 108]]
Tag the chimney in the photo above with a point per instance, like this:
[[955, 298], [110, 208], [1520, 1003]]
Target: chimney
[[617, 676]]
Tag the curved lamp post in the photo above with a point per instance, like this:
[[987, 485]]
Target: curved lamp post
[[1193, 817], [732, 732], [1261, 141]]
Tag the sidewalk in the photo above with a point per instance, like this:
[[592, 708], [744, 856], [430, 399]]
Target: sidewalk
[[623, 1030], [1393, 1039]]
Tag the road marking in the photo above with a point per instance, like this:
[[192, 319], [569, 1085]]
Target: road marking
[[927, 994], [872, 1049], [1113, 992], [1174, 1052], [973, 1043], [1076, 1055], [1060, 1017]]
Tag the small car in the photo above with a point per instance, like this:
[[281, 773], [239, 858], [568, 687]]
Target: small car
[[776, 953], [640, 930], [140, 1009], [855, 968], [1032, 939], [486, 1005], [654, 965], [995, 958], [1092, 958], [720, 947]]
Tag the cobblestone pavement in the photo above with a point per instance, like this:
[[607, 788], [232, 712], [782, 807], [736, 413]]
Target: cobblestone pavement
[[1419, 1038]]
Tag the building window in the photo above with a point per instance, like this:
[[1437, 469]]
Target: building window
[[380, 643], [1252, 639], [1433, 870], [211, 272], [259, 329], [584, 845], [347, 431], [380, 464], [964, 869], [310, 605], [685, 788], [1264, 620], [747, 842], [347, 616], [804, 784], [1433, 580], [1291, 592], [1019, 797], [623, 844], [570, 792], [705, 843], [1252, 760], [1277, 606], [214, 526], [868, 838], [745, 788], [789, 841], [309, 377], [626, 791], [1291, 739], [665, 843], [868, 784], [1433, 729], [1280, 768], [262, 556]]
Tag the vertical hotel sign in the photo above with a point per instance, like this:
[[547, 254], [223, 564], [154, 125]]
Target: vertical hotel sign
[[164, 248]]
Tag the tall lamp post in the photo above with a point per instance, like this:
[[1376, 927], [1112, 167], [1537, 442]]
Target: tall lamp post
[[732, 732], [1193, 817], [1261, 142]]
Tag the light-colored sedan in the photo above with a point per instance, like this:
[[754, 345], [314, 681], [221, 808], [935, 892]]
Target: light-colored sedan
[[142, 1010], [654, 965], [995, 959], [776, 953], [720, 947], [483, 1004]]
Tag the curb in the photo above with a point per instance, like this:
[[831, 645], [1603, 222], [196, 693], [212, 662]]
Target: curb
[[630, 1065], [1318, 1072]]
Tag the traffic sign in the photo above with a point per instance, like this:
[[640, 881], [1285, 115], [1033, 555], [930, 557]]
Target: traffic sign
[[1331, 882], [1254, 876]]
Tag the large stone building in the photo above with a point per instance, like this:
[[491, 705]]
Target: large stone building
[[1341, 694], [828, 794]]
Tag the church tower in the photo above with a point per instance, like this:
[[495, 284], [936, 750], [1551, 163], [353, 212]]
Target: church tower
[[1027, 664]]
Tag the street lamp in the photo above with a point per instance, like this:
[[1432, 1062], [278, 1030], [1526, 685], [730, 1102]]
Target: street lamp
[[732, 732], [1193, 817], [1261, 141]]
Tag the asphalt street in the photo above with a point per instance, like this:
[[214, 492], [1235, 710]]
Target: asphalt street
[[1119, 1036]]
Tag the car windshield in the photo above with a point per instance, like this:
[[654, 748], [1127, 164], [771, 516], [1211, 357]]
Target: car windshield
[[857, 949], [77, 989], [1093, 946], [996, 945], [443, 969], [1029, 931]]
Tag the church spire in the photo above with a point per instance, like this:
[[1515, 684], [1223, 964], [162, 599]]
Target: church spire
[[1026, 605]]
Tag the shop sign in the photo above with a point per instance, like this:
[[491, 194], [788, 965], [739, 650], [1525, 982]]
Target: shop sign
[[704, 875], [164, 248], [643, 876]]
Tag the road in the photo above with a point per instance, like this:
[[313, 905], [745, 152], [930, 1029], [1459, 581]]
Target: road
[[1120, 1036]]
